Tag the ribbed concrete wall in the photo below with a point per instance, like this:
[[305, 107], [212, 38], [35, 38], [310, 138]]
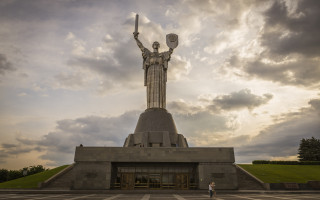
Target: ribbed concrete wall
[[62, 180], [247, 181]]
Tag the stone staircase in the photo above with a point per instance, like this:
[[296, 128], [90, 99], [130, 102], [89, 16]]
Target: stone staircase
[[247, 181], [62, 180]]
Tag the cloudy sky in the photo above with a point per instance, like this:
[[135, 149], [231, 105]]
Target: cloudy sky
[[246, 74]]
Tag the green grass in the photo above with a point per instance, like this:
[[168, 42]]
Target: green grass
[[270, 173], [32, 180]]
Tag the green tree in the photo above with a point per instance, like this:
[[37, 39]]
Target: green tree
[[35, 169], [14, 174], [3, 175], [7, 175], [309, 149]]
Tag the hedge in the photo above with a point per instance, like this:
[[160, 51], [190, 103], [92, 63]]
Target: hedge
[[281, 162]]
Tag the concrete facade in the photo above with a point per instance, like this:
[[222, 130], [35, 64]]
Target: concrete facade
[[92, 175], [93, 166]]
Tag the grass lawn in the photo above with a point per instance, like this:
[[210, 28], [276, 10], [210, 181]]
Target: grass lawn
[[32, 180], [270, 173]]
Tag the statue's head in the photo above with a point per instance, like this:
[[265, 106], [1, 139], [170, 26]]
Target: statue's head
[[156, 45]]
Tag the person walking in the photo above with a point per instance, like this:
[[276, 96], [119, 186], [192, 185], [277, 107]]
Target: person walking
[[211, 189], [213, 185]]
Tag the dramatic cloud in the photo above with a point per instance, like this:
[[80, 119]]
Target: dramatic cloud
[[180, 107], [278, 140], [287, 49], [210, 120], [178, 67], [290, 37], [118, 68], [203, 122], [3, 156], [282, 138], [58, 146], [8, 146], [302, 72], [239, 100], [298, 71], [10, 150], [292, 30], [5, 65], [315, 103]]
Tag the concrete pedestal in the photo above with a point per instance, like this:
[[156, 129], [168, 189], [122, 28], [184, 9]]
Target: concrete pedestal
[[155, 128]]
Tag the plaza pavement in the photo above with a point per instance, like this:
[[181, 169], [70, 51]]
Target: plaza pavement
[[120, 195]]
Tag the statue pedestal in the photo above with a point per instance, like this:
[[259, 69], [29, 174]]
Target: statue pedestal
[[155, 128]]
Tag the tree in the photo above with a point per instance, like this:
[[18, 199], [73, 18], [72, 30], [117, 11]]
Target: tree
[[3, 175], [7, 175], [14, 174], [35, 169], [309, 149]]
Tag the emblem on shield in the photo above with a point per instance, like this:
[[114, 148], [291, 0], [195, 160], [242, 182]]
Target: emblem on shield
[[172, 40]]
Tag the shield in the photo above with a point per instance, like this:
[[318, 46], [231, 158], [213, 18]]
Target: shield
[[172, 40]]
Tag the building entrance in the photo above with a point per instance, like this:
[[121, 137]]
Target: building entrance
[[182, 181], [154, 181], [127, 181], [129, 176]]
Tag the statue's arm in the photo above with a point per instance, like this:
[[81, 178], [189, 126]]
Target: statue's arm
[[168, 54], [170, 51], [140, 45]]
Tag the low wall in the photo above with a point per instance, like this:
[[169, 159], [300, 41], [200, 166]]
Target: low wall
[[310, 185]]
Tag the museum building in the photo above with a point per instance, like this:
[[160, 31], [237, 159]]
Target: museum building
[[154, 157]]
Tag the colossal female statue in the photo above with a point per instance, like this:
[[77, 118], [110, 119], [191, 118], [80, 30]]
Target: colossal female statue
[[155, 67], [156, 127]]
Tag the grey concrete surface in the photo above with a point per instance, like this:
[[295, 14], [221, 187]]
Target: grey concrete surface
[[155, 154], [93, 164], [157, 196]]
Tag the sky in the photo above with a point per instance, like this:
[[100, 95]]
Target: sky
[[246, 74]]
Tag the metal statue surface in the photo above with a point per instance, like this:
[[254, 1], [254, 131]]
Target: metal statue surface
[[155, 67]]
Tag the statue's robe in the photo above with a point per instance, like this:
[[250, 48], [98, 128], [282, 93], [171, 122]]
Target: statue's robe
[[155, 67]]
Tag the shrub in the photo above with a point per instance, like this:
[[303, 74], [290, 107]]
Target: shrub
[[281, 162], [261, 162]]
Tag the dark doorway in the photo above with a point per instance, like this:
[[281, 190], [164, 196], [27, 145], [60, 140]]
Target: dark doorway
[[182, 181], [127, 181], [154, 176], [154, 181]]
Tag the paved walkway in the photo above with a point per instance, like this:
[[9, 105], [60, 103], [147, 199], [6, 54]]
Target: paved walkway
[[157, 196]]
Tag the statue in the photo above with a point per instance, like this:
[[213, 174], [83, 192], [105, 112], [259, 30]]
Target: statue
[[155, 67], [156, 127]]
